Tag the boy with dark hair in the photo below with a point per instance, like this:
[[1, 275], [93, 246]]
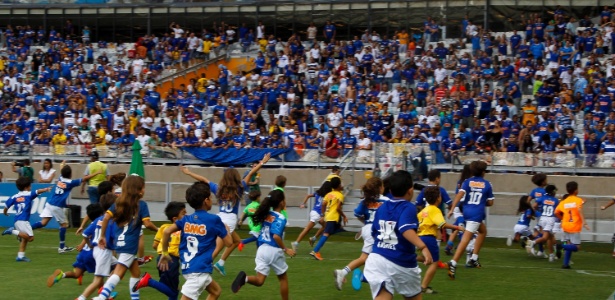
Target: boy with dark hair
[[23, 207], [169, 279], [332, 211], [570, 211], [248, 212], [540, 180]]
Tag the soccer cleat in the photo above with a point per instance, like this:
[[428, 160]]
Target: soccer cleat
[[451, 270], [566, 267], [54, 278], [99, 298], [8, 231], [145, 259], [143, 282], [530, 247], [112, 295], [312, 240], [80, 280], [509, 241], [357, 275], [220, 269], [240, 246], [429, 290], [316, 255], [448, 250], [239, 281], [473, 264], [65, 250], [523, 241], [295, 246], [339, 279], [442, 265], [551, 257], [22, 259]]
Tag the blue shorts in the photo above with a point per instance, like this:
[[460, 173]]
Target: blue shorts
[[170, 277], [85, 261], [432, 244], [331, 227]]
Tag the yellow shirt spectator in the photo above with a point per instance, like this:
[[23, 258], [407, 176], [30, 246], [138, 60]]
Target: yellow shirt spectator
[[217, 42], [133, 122], [173, 243], [101, 134], [262, 43], [404, 38], [207, 46], [59, 139], [430, 220], [333, 201]]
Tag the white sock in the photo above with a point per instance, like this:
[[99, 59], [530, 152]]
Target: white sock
[[474, 256], [438, 242], [21, 254], [346, 270], [454, 263], [221, 262], [82, 297], [110, 285], [63, 275], [15, 232], [132, 282]]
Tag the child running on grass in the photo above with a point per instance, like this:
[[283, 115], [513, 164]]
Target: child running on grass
[[270, 255], [570, 211], [332, 211], [23, 207], [315, 215], [248, 213], [169, 279], [522, 228]]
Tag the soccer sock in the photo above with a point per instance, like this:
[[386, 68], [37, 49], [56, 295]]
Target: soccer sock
[[321, 243], [21, 254], [37, 225], [131, 283], [62, 237], [450, 244], [454, 263], [163, 288], [110, 285], [221, 262], [346, 270], [567, 256], [540, 248], [249, 240], [82, 297], [15, 232], [438, 242], [571, 247], [474, 256]]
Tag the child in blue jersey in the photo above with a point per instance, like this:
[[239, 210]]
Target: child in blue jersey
[[522, 228], [169, 279], [23, 207], [228, 191], [54, 208], [270, 254], [392, 266], [477, 194], [199, 232], [315, 215], [85, 259], [457, 215], [248, 213], [547, 222], [540, 180], [129, 213], [103, 258], [365, 212]]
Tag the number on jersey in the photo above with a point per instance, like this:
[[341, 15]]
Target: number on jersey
[[475, 198]]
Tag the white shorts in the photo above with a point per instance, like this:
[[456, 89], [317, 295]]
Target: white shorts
[[104, 260], [52, 211], [557, 228], [574, 238], [547, 223], [523, 230], [537, 226], [25, 227], [268, 257], [229, 220], [368, 239], [195, 284], [381, 272], [125, 259], [314, 217], [473, 226]]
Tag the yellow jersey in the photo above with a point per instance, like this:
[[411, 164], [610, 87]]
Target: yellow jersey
[[430, 220], [207, 46], [101, 134], [333, 200], [173, 243], [59, 139]]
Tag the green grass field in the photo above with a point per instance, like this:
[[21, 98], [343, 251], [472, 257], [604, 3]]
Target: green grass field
[[507, 273]]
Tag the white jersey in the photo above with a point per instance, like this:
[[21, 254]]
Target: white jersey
[[118, 122]]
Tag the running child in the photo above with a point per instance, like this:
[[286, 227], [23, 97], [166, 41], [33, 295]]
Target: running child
[[392, 266], [103, 258], [522, 228], [270, 255], [570, 211], [199, 234], [85, 259], [540, 180], [547, 222], [332, 211], [315, 215], [248, 213], [105, 187], [457, 215], [54, 208], [129, 213], [169, 279], [477, 194], [23, 207], [228, 192], [431, 221], [365, 211]]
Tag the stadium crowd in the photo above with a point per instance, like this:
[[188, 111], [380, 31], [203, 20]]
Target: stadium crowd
[[523, 91]]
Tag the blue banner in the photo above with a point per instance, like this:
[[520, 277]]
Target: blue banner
[[9, 189], [234, 156]]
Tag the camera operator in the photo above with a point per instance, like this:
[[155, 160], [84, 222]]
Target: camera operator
[[23, 169]]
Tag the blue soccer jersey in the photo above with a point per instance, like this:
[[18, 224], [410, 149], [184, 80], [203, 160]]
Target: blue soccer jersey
[[477, 191], [23, 204], [61, 192], [317, 204], [126, 237], [273, 224], [226, 206], [536, 194], [391, 220], [199, 232], [94, 229], [525, 217], [549, 203], [446, 199], [368, 211]]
